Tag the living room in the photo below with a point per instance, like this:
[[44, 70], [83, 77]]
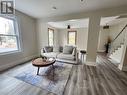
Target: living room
[[87, 37]]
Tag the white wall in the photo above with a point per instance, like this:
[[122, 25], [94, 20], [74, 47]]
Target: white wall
[[82, 35], [93, 36], [42, 35], [91, 14], [103, 37], [62, 37], [27, 27], [116, 29]]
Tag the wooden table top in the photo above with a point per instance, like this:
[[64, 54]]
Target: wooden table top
[[39, 62]]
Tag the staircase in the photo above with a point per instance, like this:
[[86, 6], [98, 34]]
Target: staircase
[[117, 45]]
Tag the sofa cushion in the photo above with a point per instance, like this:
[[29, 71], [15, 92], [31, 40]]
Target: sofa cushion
[[48, 49], [61, 48], [51, 54], [56, 49], [68, 49], [65, 56]]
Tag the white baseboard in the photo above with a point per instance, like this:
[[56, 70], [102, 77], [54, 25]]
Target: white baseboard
[[101, 51], [17, 62], [124, 68], [91, 63]]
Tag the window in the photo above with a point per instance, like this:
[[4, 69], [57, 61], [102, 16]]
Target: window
[[50, 37], [72, 37], [8, 35]]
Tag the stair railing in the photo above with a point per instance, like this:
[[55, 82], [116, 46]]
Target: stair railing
[[118, 40]]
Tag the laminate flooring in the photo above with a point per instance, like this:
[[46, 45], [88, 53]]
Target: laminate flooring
[[103, 79]]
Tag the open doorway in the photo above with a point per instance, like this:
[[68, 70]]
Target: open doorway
[[112, 35]]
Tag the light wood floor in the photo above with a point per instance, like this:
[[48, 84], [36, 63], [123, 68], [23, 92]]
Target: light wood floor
[[104, 79]]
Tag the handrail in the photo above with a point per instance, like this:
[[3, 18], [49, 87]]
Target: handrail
[[119, 33]]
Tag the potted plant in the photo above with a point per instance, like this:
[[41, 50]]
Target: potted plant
[[107, 45]]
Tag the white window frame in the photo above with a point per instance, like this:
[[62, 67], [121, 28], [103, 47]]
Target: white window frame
[[69, 38], [17, 35], [48, 36]]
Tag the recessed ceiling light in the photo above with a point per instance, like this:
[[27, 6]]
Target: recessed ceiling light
[[54, 8]]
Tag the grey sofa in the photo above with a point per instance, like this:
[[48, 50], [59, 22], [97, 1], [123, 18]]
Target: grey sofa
[[66, 54]]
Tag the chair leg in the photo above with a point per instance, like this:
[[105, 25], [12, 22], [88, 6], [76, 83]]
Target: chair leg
[[83, 57]]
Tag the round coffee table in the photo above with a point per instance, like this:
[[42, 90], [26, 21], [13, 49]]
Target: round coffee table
[[39, 62]]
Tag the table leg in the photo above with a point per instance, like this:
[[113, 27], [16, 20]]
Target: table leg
[[38, 70], [53, 70], [53, 66]]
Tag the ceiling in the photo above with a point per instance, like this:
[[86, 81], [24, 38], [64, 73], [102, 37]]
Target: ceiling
[[84, 23], [43, 8]]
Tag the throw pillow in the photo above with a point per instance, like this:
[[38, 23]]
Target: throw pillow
[[56, 49], [61, 49], [48, 49], [68, 49]]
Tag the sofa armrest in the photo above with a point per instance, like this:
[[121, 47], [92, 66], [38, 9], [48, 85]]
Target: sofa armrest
[[42, 51], [77, 56]]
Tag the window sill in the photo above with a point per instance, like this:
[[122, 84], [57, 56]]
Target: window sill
[[10, 52]]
